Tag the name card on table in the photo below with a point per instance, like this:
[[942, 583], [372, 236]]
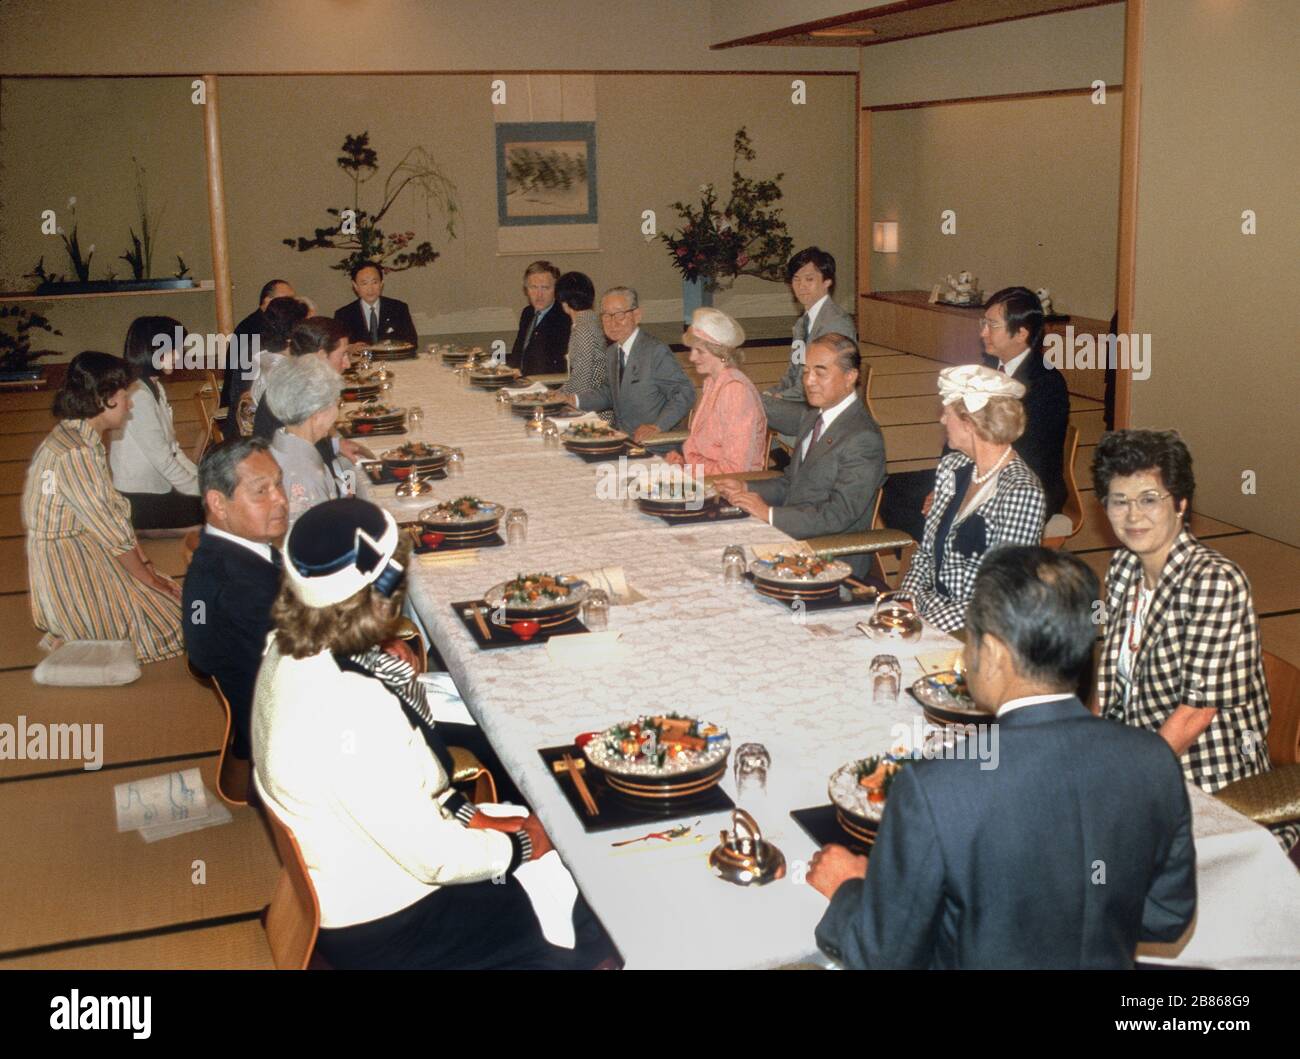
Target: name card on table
[[586, 650]]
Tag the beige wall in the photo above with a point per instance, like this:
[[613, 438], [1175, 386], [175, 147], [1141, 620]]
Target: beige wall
[[291, 36], [1067, 50], [1218, 128], [659, 137], [1034, 184]]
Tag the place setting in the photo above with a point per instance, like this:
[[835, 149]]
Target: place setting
[[363, 383], [454, 525], [527, 609], [681, 501], [594, 441], [413, 460], [390, 349], [649, 768], [372, 419], [801, 580], [494, 376]]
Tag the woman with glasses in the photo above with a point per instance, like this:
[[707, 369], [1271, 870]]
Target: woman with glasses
[[1182, 653], [984, 495]]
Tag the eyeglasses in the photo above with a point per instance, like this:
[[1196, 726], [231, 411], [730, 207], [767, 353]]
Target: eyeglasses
[[1146, 504], [991, 324], [618, 315]]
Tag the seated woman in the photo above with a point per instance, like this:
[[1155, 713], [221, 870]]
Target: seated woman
[[89, 579], [158, 480], [729, 428], [282, 316], [304, 396], [984, 494], [576, 295], [1181, 654], [409, 874]]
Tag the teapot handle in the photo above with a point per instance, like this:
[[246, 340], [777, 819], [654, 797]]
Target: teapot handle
[[740, 816]]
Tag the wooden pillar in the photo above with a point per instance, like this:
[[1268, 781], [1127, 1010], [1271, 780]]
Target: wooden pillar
[[217, 205], [1126, 265], [863, 247]]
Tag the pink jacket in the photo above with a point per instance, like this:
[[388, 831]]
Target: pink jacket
[[729, 428]]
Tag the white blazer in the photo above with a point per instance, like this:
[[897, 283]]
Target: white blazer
[[144, 456]]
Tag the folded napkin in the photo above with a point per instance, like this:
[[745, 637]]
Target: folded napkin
[[791, 548], [548, 884], [613, 582], [516, 391], [586, 650], [466, 555]]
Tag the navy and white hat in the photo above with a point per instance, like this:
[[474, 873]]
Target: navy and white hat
[[339, 547]]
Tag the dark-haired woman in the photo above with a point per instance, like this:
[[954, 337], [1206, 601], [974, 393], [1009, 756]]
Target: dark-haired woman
[[1182, 654], [576, 295], [158, 480], [409, 874], [89, 580]]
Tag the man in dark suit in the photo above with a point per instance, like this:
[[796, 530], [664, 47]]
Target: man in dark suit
[[234, 576], [373, 318], [236, 381], [643, 384], [542, 344], [1066, 846], [838, 466], [1012, 333]]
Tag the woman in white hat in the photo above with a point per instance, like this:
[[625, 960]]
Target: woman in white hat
[[984, 494], [729, 428], [408, 872]]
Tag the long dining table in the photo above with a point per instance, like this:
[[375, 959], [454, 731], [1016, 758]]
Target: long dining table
[[797, 684]]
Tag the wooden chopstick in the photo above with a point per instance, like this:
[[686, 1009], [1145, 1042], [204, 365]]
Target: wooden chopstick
[[581, 785], [858, 584], [482, 625]]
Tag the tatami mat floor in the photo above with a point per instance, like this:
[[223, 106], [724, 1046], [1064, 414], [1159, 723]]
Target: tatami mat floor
[[77, 894]]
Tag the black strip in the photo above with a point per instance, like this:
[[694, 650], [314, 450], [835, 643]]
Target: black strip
[[109, 768], [1279, 613], [132, 935]]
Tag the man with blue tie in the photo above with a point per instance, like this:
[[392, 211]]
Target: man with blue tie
[[373, 318], [643, 383], [542, 342], [1065, 847]]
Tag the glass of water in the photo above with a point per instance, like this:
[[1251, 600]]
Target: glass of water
[[733, 565], [551, 436], [886, 679], [595, 610], [752, 764], [415, 416], [455, 463], [516, 526]]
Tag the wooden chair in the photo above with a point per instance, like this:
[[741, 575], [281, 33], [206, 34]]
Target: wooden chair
[[212, 428], [292, 919], [234, 775], [1273, 797], [191, 545], [1073, 509], [874, 542]]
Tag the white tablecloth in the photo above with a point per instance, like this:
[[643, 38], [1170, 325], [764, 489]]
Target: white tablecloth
[[726, 655]]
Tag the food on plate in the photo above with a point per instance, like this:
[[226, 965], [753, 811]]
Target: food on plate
[[529, 588], [589, 431], [659, 740], [799, 565], [460, 508], [414, 450], [875, 774], [375, 410]]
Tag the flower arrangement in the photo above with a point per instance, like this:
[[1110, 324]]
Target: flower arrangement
[[745, 237], [359, 235], [16, 344], [140, 256]]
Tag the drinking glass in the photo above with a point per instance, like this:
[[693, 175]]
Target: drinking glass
[[503, 402], [886, 679], [551, 436], [752, 765], [595, 610], [516, 526], [733, 565], [455, 463], [415, 416]]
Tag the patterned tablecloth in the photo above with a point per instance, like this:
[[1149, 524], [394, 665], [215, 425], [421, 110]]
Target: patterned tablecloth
[[693, 645]]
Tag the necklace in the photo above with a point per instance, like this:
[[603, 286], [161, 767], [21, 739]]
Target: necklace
[[980, 479]]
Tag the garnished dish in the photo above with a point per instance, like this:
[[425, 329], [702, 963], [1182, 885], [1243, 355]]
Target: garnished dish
[[462, 509], [375, 411], [945, 698], [550, 598], [859, 790], [419, 454], [528, 590], [682, 491], [660, 747], [592, 432], [800, 569], [526, 403]]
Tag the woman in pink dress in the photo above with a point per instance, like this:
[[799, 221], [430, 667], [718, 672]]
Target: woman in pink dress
[[729, 427]]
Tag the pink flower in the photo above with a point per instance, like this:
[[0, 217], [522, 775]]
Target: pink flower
[[682, 251]]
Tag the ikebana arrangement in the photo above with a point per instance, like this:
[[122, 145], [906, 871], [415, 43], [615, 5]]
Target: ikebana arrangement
[[16, 355], [357, 231]]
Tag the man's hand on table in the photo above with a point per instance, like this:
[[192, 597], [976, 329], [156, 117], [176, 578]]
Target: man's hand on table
[[645, 430], [480, 821], [749, 502], [353, 451], [675, 458], [832, 866]]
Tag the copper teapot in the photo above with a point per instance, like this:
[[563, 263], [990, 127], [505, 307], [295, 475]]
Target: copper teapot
[[746, 859]]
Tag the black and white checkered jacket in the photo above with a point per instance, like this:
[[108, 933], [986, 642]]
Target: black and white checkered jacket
[[1200, 647], [1014, 514]]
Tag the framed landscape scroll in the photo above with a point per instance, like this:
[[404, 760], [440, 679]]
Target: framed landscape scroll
[[546, 173]]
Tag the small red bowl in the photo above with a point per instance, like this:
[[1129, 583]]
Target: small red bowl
[[401, 472], [583, 739], [364, 428], [432, 539], [525, 630]]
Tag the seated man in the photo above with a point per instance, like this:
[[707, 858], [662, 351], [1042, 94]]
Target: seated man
[[543, 338], [235, 574], [643, 383], [1065, 847], [373, 318], [236, 380], [811, 275], [1011, 331], [838, 465]]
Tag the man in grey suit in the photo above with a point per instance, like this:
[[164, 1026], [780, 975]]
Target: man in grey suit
[[643, 383], [811, 275], [838, 466]]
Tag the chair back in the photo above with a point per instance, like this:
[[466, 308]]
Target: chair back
[[864, 387], [1284, 694], [292, 919], [1073, 507], [234, 777]]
